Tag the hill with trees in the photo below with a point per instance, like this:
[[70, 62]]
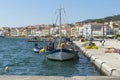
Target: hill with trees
[[101, 20]]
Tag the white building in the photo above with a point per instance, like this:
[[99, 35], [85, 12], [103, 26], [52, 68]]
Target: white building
[[81, 31], [1, 32], [38, 33], [75, 31], [14, 32], [92, 30]]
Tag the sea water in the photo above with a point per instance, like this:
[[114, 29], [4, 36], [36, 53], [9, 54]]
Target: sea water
[[18, 55]]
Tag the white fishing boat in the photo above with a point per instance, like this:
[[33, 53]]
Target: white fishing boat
[[62, 53]]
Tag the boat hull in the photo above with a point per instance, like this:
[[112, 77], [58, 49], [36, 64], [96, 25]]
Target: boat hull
[[62, 55], [36, 50]]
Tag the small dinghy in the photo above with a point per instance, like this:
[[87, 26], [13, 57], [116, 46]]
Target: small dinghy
[[36, 50]]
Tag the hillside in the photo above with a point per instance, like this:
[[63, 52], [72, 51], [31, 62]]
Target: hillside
[[101, 20]]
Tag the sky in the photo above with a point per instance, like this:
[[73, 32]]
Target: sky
[[18, 13]]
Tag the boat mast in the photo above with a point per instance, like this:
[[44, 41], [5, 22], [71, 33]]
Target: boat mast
[[60, 37]]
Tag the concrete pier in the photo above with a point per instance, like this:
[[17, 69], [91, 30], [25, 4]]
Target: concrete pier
[[58, 78], [108, 63]]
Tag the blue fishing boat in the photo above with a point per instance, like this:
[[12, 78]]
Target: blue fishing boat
[[62, 54]]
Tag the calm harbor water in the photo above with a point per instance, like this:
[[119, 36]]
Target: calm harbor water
[[18, 55]]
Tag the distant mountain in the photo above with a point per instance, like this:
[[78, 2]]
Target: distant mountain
[[101, 20]]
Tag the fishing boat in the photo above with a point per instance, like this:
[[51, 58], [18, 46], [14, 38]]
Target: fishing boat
[[62, 52]]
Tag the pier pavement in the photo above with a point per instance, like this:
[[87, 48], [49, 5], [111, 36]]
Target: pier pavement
[[108, 63], [58, 78]]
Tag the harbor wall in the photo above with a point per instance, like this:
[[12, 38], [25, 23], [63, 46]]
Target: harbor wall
[[96, 58]]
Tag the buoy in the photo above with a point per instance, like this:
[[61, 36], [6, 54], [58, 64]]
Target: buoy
[[6, 68], [42, 51]]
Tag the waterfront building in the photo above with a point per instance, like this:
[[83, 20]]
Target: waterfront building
[[38, 33], [68, 30], [75, 31], [92, 30], [7, 31], [1, 32], [45, 32], [111, 24], [22, 32], [63, 31], [52, 31], [33, 32], [81, 31], [29, 31], [115, 27], [14, 32]]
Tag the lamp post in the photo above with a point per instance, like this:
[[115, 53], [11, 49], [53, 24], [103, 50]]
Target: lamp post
[[103, 31], [86, 32], [82, 33], [91, 32], [103, 35]]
